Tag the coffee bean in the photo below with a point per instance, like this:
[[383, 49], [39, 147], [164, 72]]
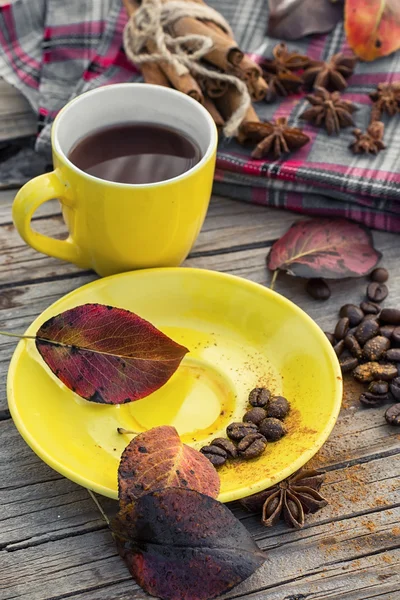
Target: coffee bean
[[353, 313], [375, 347], [385, 372], [252, 445], [259, 397], [342, 328], [318, 289], [387, 331], [278, 407], [368, 399], [377, 292], [373, 370], [272, 429], [392, 415], [216, 456], [366, 330], [395, 335], [390, 316], [365, 373], [226, 445], [352, 345], [339, 347], [395, 388], [378, 387], [330, 337], [370, 318], [255, 415], [393, 355], [369, 308], [380, 275], [237, 431], [348, 364]]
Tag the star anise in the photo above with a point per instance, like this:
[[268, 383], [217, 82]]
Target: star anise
[[278, 72], [290, 499], [331, 75], [274, 138], [369, 142], [386, 99], [329, 111]]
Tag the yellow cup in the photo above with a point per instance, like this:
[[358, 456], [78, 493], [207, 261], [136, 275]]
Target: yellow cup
[[116, 227]]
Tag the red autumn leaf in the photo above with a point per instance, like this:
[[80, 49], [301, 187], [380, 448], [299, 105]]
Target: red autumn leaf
[[293, 19], [182, 545], [158, 459], [373, 27], [106, 354], [332, 249]]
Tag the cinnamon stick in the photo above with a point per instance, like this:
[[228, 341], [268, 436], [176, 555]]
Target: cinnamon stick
[[258, 89], [215, 88], [153, 74], [184, 83], [214, 112], [250, 68], [224, 52], [230, 101]]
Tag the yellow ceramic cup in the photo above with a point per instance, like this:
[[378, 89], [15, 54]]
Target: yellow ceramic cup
[[116, 227]]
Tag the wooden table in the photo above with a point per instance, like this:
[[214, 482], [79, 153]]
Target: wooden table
[[53, 542]]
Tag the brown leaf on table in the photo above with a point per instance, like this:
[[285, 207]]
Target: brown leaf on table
[[329, 111], [327, 248], [291, 499], [332, 74], [275, 138], [158, 459], [179, 544], [372, 27], [294, 19], [107, 354], [370, 142]]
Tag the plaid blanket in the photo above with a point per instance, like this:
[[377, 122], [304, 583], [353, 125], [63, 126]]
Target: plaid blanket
[[52, 50]]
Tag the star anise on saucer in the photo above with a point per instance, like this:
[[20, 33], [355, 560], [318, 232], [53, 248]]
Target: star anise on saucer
[[386, 99], [274, 137], [369, 142], [278, 72], [332, 74], [291, 499], [329, 110]]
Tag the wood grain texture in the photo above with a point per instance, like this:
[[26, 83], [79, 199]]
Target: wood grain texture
[[53, 543]]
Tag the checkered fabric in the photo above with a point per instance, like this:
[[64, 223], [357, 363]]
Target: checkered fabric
[[52, 50]]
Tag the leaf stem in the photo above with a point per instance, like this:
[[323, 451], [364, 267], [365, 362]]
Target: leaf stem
[[97, 503], [273, 280], [122, 430], [21, 336]]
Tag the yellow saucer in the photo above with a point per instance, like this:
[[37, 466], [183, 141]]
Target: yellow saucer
[[240, 335]]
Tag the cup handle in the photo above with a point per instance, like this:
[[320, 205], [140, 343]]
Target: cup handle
[[34, 193]]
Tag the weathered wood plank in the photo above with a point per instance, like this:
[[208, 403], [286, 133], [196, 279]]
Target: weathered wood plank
[[228, 224], [359, 559], [46, 506]]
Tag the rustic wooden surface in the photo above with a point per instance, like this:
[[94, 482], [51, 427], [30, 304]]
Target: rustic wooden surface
[[53, 542]]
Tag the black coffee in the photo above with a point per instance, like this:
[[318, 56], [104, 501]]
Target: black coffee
[[135, 153]]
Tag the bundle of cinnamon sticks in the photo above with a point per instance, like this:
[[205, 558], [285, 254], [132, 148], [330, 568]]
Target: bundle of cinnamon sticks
[[220, 98]]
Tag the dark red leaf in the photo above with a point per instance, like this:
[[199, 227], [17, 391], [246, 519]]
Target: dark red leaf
[[158, 459], [108, 354], [294, 19], [328, 248], [182, 545]]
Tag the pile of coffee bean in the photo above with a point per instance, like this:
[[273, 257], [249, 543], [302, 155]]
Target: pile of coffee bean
[[262, 423], [367, 342]]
